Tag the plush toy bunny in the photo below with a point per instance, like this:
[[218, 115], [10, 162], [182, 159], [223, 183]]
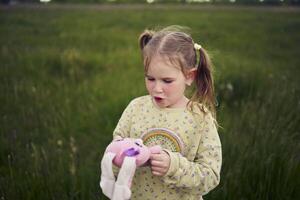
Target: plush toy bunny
[[126, 153]]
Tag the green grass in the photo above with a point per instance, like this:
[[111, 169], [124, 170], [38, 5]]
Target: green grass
[[67, 75]]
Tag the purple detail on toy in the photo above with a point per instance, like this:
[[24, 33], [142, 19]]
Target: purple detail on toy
[[131, 152]]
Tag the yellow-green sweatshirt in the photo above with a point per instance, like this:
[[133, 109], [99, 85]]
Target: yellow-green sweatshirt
[[190, 138]]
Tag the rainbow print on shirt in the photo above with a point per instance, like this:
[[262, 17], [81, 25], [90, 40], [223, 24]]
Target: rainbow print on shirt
[[165, 138]]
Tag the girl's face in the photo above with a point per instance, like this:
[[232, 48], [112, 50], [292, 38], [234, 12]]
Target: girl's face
[[166, 83]]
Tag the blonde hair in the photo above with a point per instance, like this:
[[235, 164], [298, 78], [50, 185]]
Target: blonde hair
[[176, 45]]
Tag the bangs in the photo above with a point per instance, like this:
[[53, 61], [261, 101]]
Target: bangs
[[175, 60]]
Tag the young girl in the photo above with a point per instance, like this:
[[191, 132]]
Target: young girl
[[189, 165]]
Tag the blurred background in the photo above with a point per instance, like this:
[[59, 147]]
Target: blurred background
[[67, 71], [182, 2]]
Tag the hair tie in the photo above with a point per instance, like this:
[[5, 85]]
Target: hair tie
[[197, 46]]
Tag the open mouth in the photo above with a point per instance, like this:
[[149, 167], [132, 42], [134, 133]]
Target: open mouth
[[158, 99]]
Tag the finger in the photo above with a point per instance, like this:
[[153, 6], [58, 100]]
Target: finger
[[156, 157], [158, 169], [157, 173], [156, 163], [157, 152]]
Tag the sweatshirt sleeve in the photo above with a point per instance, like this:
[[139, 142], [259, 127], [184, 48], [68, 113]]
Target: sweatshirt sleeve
[[124, 125], [203, 173]]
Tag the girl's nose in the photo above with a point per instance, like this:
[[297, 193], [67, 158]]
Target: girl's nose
[[157, 87]]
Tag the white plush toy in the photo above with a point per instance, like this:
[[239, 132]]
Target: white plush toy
[[126, 153]]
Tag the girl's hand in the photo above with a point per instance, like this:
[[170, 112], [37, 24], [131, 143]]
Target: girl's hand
[[160, 163]]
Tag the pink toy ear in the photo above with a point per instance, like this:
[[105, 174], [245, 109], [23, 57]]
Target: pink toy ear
[[155, 149]]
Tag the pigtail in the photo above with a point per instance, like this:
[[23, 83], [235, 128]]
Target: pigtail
[[144, 38], [204, 82]]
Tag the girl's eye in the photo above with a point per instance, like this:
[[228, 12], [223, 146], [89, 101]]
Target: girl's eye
[[150, 79], [168, 81]]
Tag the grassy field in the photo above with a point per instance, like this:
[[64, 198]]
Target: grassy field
[[66, 76]]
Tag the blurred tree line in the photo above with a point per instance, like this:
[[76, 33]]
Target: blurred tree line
[[264, 2]]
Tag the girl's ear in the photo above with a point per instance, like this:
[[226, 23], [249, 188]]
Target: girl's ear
[[190, 76]]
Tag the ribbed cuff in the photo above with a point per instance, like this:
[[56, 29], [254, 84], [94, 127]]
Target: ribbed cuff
[[173, 163]]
